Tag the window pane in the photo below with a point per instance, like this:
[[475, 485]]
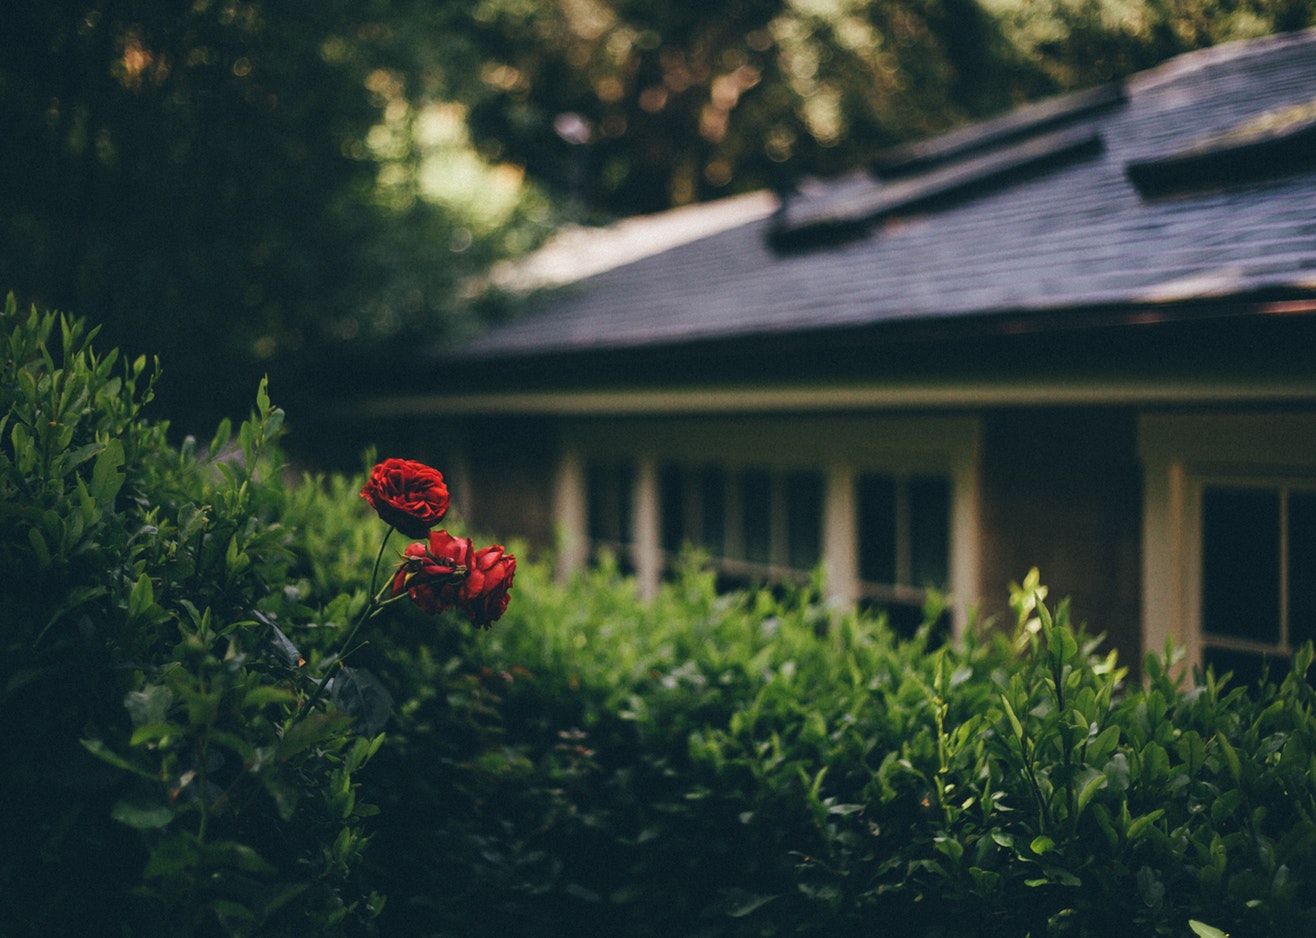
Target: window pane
[[625, 473], [929, 531], [1246, 667], [713, 510], [601, 502], [608, 488], [877, 528], [804, 502], [1302, 567], [1240, 563], [756, 515], [671, 501]]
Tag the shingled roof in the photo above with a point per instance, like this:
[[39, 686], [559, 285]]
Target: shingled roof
[[1187, 183]]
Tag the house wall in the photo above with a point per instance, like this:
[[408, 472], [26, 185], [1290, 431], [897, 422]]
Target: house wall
[[837, 447], [1062, 491], [503, 476], [1059, 489], [1103, 499]]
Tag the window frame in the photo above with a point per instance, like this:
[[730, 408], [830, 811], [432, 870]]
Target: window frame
[[1283, 484], [1183, 453], [838, 447]]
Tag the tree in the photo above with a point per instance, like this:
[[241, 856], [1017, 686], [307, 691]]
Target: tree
[[666, 102], [214, 182], [674, 102]]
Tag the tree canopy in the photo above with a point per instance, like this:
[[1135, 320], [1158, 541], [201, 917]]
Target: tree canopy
[[246, 186], [666, 102], [217, 182]]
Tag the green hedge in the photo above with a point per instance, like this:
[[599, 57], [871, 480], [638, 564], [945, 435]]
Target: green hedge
[[160, 778], [701, 764], [745, 765]]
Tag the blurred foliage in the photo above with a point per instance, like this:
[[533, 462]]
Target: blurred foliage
[[744, 764], [220, 182], [671, 102], [165, 770], [750, 764], [1077, 43], [305, 189], [663, 103]]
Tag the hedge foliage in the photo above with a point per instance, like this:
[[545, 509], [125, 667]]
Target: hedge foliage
[[699, 764], [159, 776], [746, 765]]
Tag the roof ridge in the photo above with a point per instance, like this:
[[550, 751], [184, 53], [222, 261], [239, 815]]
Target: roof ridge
[[1237, 49], [822, 220], [1023, 122]]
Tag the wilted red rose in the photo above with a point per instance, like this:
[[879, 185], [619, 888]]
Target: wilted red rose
[[432, 573], [408, 495], [484, 595]]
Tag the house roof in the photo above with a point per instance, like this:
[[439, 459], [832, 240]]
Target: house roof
[[1185, 186]]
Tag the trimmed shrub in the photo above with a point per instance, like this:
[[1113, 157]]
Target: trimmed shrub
[[172, 618], [744, 764], [163, 774]]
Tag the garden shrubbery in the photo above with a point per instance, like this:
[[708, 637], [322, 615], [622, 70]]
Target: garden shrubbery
[[743, 765], [700, 764], [159, 777]]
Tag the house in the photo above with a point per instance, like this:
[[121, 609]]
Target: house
[[1081, 337]]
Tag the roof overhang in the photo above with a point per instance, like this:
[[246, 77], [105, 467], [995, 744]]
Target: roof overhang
[[1217, 352]]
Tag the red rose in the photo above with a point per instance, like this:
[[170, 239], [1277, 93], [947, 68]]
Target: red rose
[[433, 573], [408, 495], [484, 595]]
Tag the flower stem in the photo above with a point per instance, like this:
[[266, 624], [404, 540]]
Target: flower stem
[[373, 606]]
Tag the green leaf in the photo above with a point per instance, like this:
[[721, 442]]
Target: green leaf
[[265, 695], [81, 455], [951, 847], [222, 434], [312, 729], [98, 749], [142, 816], [1096, 781], [1202, 930], [1141, 823], [741, 903], [1042, 844], [1014, 720], [141, 598], [150, 732], [108, 475], [239, 856], [232, 914], [148, 705], [174, 855], [1103, 745], [1231, 759], [39, 548]]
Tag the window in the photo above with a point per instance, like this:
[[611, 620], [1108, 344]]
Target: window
[[756, 516], [756, 524], [712, 510], [775, 517], [693, 508], [804, 508], [1258, 573], [609, 493], [1229, 536], [767, 500], [904, 541]]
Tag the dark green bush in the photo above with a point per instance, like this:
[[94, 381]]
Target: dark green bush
[[159, 778], [702, 764], [746, 765]]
